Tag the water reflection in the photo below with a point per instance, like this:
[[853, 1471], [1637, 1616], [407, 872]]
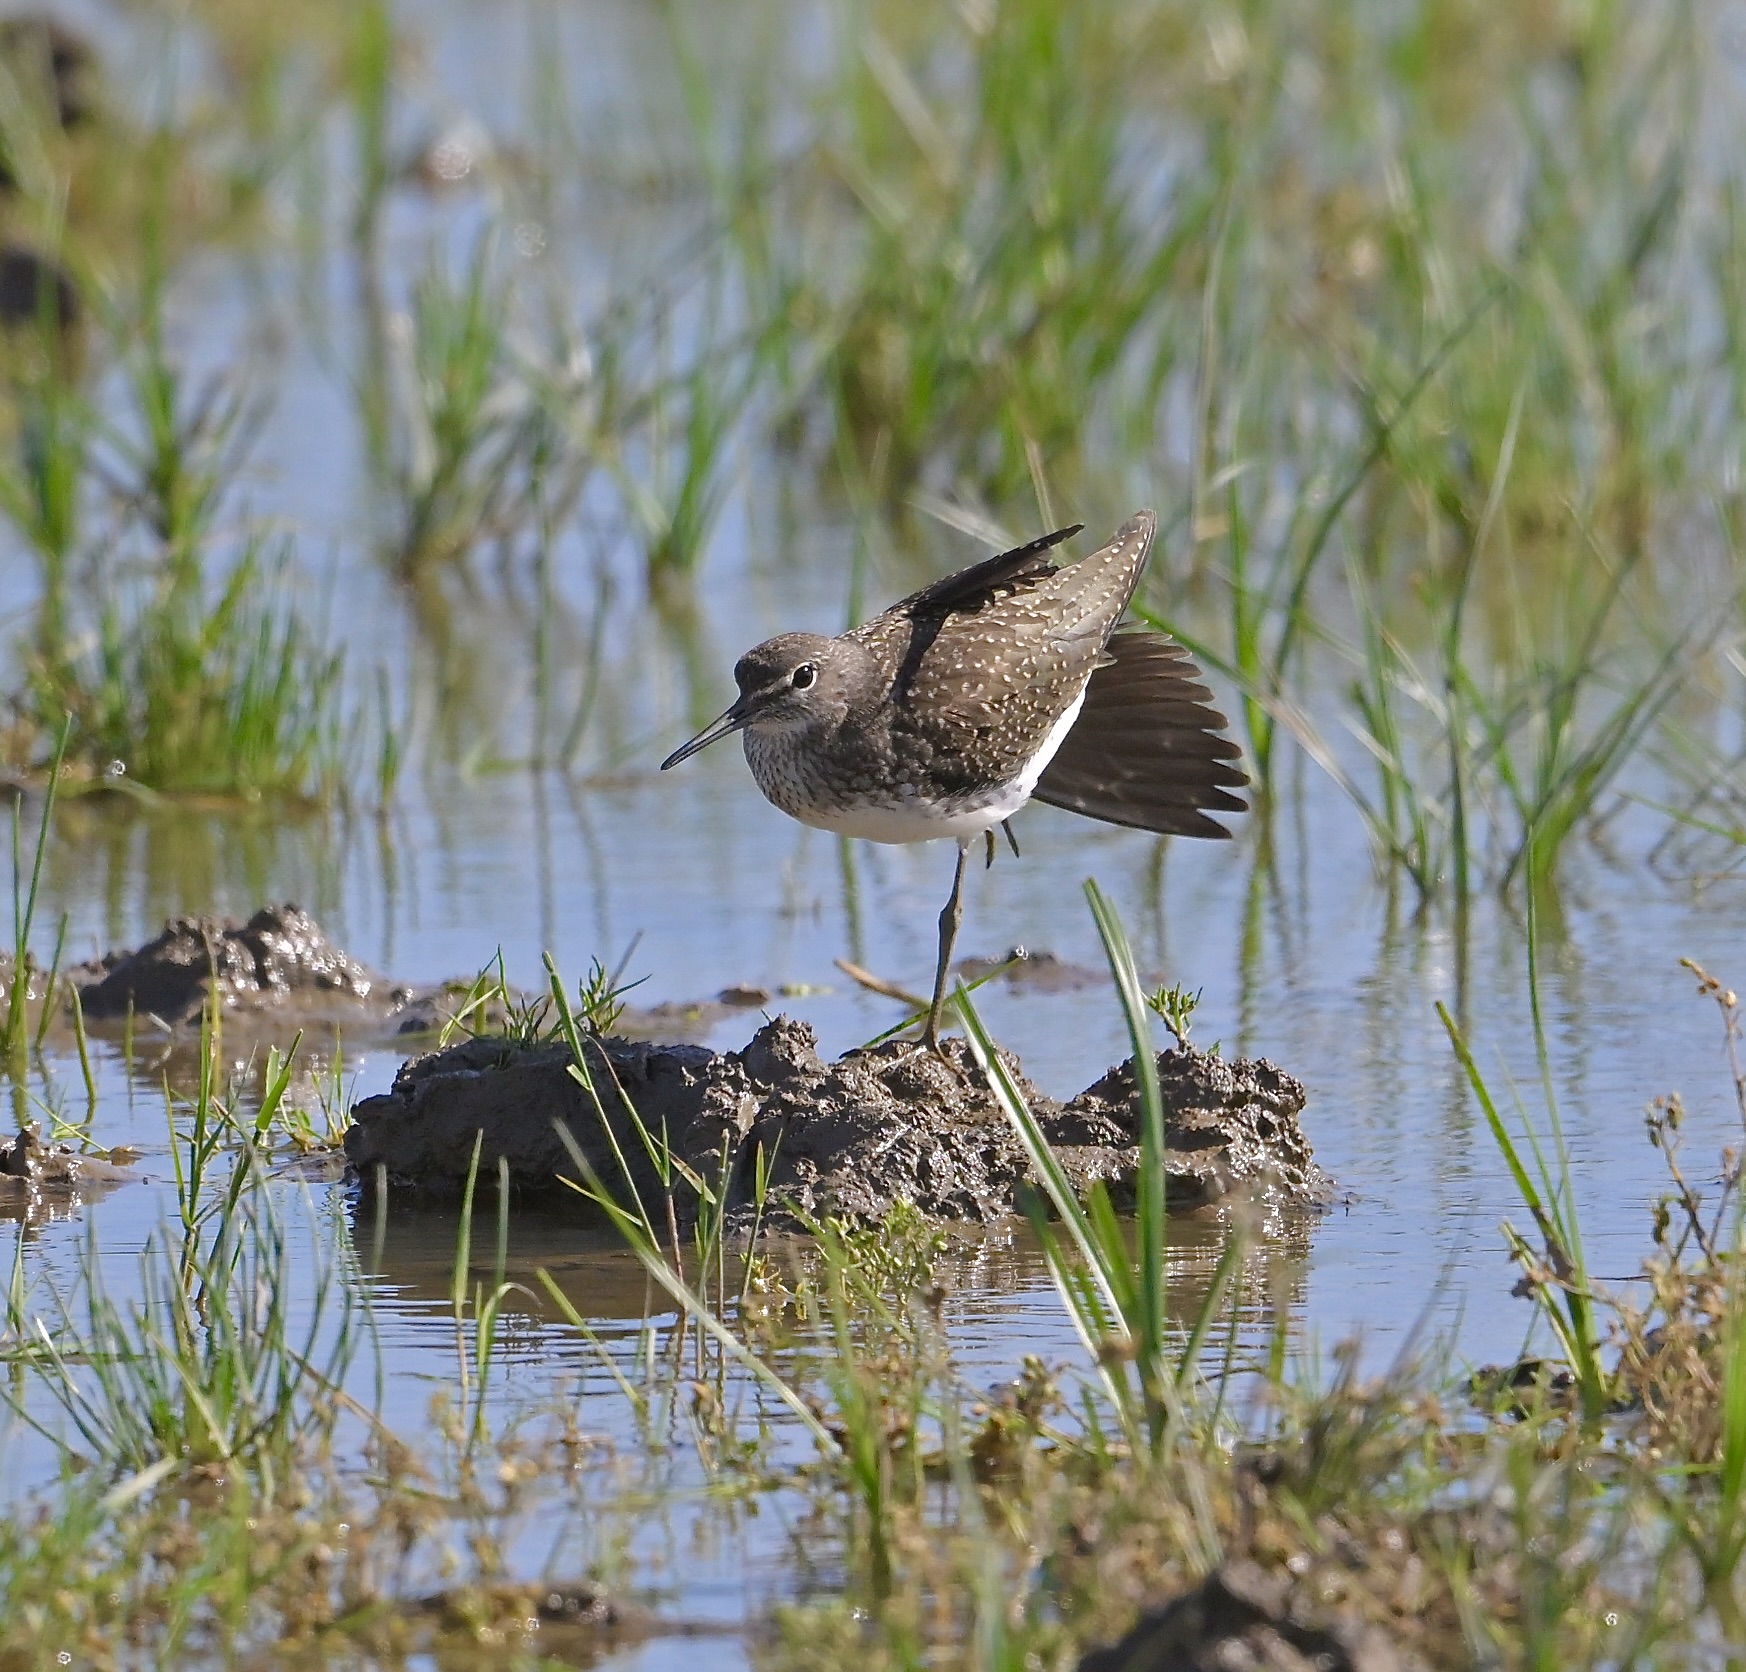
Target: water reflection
[[543, 648], [409, 1250], [1300, 956]]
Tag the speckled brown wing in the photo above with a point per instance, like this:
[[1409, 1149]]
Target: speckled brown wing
[[985, 662], [1146, 750]]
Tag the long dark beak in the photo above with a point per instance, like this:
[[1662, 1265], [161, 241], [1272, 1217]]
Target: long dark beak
[[726, 726]]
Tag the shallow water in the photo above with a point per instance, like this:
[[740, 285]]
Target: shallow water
[[1306, 964], [1302, 952]]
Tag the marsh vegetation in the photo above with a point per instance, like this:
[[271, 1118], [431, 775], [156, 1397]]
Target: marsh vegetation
[[406, 414]]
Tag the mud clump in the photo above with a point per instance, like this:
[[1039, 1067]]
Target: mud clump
[[277, 968], [853, 1137], [1242, 1616], [41, 1180], [278, 955], [1229, 1121]]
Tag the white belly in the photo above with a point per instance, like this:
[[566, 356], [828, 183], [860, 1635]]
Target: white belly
[[910, 819]]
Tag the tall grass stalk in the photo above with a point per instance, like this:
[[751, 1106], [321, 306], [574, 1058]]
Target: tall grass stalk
[[24, 916], [1288, 590], [369, 84], [695, 420], [41, 491], [655, 1242], [1115, 1290], [476, 1306], [486, 441], [1555, 1275]]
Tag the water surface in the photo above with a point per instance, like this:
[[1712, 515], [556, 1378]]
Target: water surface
[[1303, 952]]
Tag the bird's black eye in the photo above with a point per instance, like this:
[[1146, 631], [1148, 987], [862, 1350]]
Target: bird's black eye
[[804, 675]]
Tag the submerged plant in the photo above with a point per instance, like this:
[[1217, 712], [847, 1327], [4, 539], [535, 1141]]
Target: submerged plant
[[220, 1357], [183, 690], [484, 442]]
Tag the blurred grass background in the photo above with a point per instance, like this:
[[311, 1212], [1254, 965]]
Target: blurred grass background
[[1419, 324]]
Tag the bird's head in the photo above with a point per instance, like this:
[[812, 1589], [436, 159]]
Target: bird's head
[[793, 682]]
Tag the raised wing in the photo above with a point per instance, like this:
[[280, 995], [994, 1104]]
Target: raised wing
[[985, 663]]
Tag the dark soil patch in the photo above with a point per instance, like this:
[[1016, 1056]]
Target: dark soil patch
[[1241, 1616], [853, 1137], [279, 964]]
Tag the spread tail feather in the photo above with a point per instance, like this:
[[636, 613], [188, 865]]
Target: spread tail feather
[[1147, 750]]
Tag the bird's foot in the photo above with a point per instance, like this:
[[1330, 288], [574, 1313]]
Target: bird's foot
[[935, 1044]]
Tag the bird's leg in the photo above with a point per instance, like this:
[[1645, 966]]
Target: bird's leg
[[988, 849], [950, 918]]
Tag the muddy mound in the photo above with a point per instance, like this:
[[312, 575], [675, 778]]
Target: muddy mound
[[852, 1137], [1241, 1616], [40, 1181], [277, 969], [1229, 1121], [279, 954]]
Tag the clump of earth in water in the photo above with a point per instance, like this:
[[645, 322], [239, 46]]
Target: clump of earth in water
[[279, 957], [41, 1180], [854, 1137]]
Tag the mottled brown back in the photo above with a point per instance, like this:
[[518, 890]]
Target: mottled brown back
[[984, 663]]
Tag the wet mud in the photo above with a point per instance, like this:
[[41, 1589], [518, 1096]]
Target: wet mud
[[1242, 1616], [854, 1137], [277, 965], [42, 1181], [577, 1625]]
